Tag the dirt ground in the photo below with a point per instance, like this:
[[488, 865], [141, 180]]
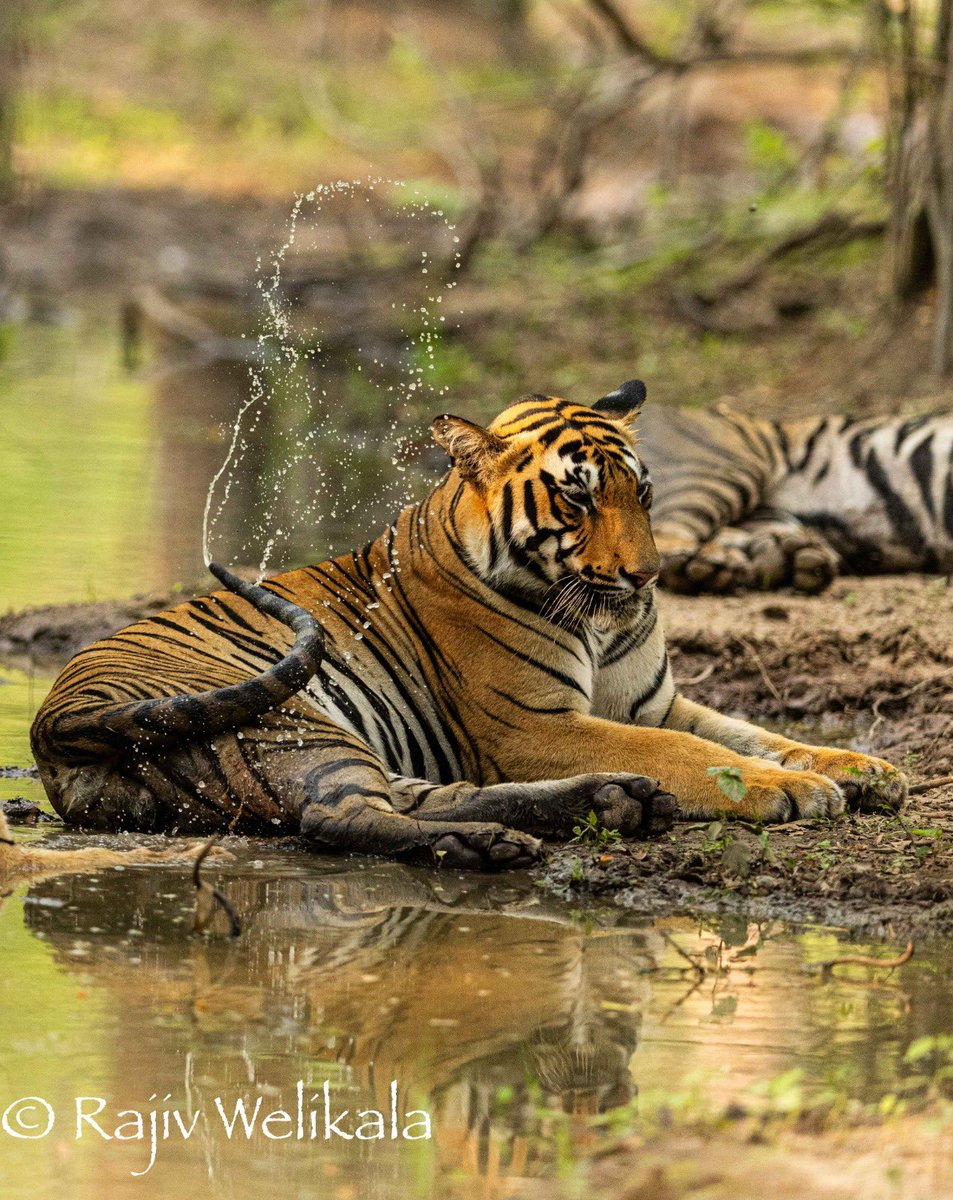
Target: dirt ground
[[869, 664]]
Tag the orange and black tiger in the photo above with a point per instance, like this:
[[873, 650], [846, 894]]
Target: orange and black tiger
[[486, 671], [747, 502]]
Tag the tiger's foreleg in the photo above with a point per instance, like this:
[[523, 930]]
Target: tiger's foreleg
[[575, 743], [867, 783], [550, 808]]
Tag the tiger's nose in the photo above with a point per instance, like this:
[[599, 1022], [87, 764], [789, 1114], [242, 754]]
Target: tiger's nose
[[638, 579]]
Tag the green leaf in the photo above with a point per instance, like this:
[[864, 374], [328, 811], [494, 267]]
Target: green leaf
[[731, 782]]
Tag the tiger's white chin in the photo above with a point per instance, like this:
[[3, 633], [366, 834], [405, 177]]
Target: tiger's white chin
[[611, 618]]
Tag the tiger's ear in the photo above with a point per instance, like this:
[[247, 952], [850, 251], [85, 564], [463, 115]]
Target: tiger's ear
[[472, 448], [624, 403]]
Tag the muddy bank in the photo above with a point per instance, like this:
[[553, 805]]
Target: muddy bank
[[869, 665], [50, 635]]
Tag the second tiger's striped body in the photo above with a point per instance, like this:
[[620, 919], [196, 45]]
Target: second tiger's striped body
[[747, 502]]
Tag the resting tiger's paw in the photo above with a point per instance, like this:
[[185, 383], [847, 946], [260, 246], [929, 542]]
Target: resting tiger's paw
[[720, 565], [487, 847], [869, 784], [676, 550], [761, 554], [631, 804], [772, 794], [778, 796], [790, 554]]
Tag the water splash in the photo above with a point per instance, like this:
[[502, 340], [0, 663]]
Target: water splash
[[327, 426]]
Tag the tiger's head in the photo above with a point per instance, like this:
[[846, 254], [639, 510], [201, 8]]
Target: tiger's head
[[552, 503]]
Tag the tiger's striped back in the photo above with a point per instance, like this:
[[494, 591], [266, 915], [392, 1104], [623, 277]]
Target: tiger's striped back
[[879, 490]]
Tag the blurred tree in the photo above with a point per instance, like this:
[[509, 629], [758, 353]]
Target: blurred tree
[[918, 45], [10, 46]]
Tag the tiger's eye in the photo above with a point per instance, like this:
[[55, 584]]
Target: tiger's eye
[[577, 497]]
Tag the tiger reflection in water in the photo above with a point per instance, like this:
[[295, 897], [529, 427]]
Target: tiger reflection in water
[[390, 972]]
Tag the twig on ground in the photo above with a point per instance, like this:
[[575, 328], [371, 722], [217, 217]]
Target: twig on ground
[[768, 681], [701, 676], [928, 785]]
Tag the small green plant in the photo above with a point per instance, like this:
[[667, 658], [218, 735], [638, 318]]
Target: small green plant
[[930, 839], [768, 854], [590, 833], [731, 782], [821, 854], [717, 838]]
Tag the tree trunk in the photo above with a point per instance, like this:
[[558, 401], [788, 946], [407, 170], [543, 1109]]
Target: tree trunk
[[940, 204], [9, 53], [920, 165]]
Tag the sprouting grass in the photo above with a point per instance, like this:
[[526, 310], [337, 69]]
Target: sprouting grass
[[591, 832]]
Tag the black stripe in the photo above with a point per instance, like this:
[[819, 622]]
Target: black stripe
[[921, 462], [653, 689], [904, 522]]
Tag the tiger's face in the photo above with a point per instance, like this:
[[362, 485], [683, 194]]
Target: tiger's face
[[555, 505]]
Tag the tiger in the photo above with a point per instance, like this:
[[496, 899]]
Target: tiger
[[487, 671], [745, 502]]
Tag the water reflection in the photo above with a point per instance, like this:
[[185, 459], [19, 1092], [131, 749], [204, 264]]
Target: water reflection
[[107, 471], [489, 1004]]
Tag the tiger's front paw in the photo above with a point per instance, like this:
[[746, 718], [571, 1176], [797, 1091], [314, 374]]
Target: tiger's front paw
[[869, 784], [779, 796], [676, 550], [768, 793], [632, 804]]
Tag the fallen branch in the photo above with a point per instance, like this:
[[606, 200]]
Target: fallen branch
[[149, 307], [866, 960], [833, 229], [929, 785]]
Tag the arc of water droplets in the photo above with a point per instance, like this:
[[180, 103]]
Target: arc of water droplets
[[278, 348]]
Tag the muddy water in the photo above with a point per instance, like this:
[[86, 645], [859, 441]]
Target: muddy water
[[507, 1018]]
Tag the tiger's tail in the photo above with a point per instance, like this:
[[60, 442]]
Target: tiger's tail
[[106, 731]]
